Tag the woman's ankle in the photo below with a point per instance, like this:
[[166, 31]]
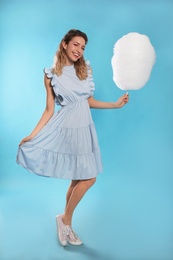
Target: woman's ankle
[[66, 221]]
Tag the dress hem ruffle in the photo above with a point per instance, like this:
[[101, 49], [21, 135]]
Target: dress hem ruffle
[[59, 165], [57, 177]]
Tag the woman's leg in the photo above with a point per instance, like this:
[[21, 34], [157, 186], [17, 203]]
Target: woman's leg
[[70, 189], [75, 193]]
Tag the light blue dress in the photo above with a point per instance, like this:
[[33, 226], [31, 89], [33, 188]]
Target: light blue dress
[[67, 146]]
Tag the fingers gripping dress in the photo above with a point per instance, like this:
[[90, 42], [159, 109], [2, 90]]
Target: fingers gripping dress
[[67, 146]]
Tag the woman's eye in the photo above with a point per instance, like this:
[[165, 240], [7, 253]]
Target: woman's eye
[[76, 45]]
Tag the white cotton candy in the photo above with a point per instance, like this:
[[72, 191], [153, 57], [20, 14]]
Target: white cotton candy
[[132, 62]]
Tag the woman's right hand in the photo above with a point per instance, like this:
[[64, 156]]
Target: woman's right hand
[[26, 139]]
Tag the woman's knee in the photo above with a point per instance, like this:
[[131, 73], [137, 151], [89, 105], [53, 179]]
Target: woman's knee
[[87, 183], [74, 183], [94, 180], [91, 181]]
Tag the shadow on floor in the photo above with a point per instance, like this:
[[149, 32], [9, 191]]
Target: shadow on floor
[[89, 252]]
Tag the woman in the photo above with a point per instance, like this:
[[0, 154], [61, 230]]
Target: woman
[[64, 144]]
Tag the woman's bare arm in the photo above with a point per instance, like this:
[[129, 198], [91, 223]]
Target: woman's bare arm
[[48, 112], [100, 104]]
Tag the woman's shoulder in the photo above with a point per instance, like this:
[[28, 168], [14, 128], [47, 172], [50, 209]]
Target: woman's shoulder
[[87, 63], [88, 67]]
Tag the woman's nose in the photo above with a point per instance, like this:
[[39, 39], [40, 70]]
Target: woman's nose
[[78, 49]]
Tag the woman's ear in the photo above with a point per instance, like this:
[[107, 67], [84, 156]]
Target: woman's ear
[[64, 45]]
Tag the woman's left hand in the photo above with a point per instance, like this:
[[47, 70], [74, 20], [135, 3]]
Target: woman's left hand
[[122, 101]]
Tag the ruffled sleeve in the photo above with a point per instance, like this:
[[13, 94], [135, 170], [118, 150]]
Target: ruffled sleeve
[[50, 75], [90, 79]]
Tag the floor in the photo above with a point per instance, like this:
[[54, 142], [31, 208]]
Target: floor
[[117, 219]]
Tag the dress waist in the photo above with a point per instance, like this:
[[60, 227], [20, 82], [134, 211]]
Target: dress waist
[[75, 103]]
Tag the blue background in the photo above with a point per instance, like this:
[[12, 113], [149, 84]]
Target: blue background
[[128, 213]]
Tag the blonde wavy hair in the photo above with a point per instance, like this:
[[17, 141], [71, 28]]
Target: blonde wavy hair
[[60, 56]]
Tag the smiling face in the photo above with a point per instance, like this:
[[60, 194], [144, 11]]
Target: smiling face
[[74, 49]]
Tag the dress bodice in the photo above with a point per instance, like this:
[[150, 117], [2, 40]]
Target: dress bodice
[[68, 88]]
